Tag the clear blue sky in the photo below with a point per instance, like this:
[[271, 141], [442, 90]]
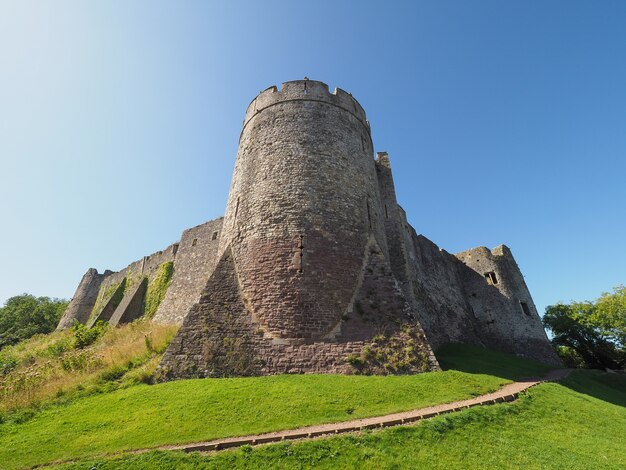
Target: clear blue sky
[[505, 122]]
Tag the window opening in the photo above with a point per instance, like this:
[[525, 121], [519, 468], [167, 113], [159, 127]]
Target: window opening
[[491, 277], [194, 242], [525, 308], [214, 237], [301, 247]]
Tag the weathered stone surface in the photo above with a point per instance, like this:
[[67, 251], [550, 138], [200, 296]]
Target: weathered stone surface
[[88, 297], [501, 305], [303, 203], [131, 306], [219, 337], [318, 263], [194, 262], [110, 305], [84, 299]]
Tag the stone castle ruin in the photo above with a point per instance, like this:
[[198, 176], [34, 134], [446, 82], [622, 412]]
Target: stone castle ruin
[[314, 267]]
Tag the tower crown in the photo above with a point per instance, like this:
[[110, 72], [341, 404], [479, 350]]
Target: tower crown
[[305, 90]]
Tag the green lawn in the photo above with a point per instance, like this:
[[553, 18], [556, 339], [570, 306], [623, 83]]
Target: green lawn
[[579, 424], [193, 410]]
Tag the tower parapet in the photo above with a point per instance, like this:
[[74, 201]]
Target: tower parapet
[[305, 90]]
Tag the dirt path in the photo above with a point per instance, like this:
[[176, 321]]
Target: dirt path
[[507, 393]]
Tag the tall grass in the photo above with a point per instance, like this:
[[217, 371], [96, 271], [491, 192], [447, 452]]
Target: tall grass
[[47, 367]]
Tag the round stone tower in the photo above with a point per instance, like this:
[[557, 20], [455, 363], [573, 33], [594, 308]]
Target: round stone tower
[[303, 210]]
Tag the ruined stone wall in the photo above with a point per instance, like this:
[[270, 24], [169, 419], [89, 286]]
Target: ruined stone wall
[[501, 304], [303, 202], [428, 274], [95, 290], [84, 299], [194, 262], [131, 275]]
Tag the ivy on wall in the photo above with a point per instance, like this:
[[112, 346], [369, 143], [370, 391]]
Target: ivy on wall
[[158, 287]]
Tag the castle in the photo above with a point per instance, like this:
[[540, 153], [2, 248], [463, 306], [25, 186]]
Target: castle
[[314, 267]]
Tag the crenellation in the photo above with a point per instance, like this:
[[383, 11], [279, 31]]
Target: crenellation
[[305, 90]]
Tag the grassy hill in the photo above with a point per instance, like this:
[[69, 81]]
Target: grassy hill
[[580, 424], [569, 425], [192, 410]]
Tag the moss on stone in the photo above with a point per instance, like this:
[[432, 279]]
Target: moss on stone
[[158, 287], [400, 353], [131, 281], [114, 291]]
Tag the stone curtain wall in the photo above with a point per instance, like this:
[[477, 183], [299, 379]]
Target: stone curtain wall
[[93, 289], [194, 263], [441, 302], [193, 257]]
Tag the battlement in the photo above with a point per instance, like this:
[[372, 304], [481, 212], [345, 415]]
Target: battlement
[[305, 90], [500, 250]]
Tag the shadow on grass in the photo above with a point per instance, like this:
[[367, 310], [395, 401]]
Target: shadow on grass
[[598, 384], [476, 360]]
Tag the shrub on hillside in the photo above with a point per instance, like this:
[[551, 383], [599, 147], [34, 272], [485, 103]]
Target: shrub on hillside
[[24, 316], [84, 336]]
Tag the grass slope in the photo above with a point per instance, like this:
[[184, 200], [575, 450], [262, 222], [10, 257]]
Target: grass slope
[[579, 423], [193, 410], [47, 369], [552, 426]]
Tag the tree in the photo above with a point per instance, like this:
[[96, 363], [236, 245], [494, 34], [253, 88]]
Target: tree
[[26, 315], [591, 332], [610, 315]]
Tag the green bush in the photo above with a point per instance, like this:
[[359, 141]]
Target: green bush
[[58, 348], [580, 336], [84, 336]]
